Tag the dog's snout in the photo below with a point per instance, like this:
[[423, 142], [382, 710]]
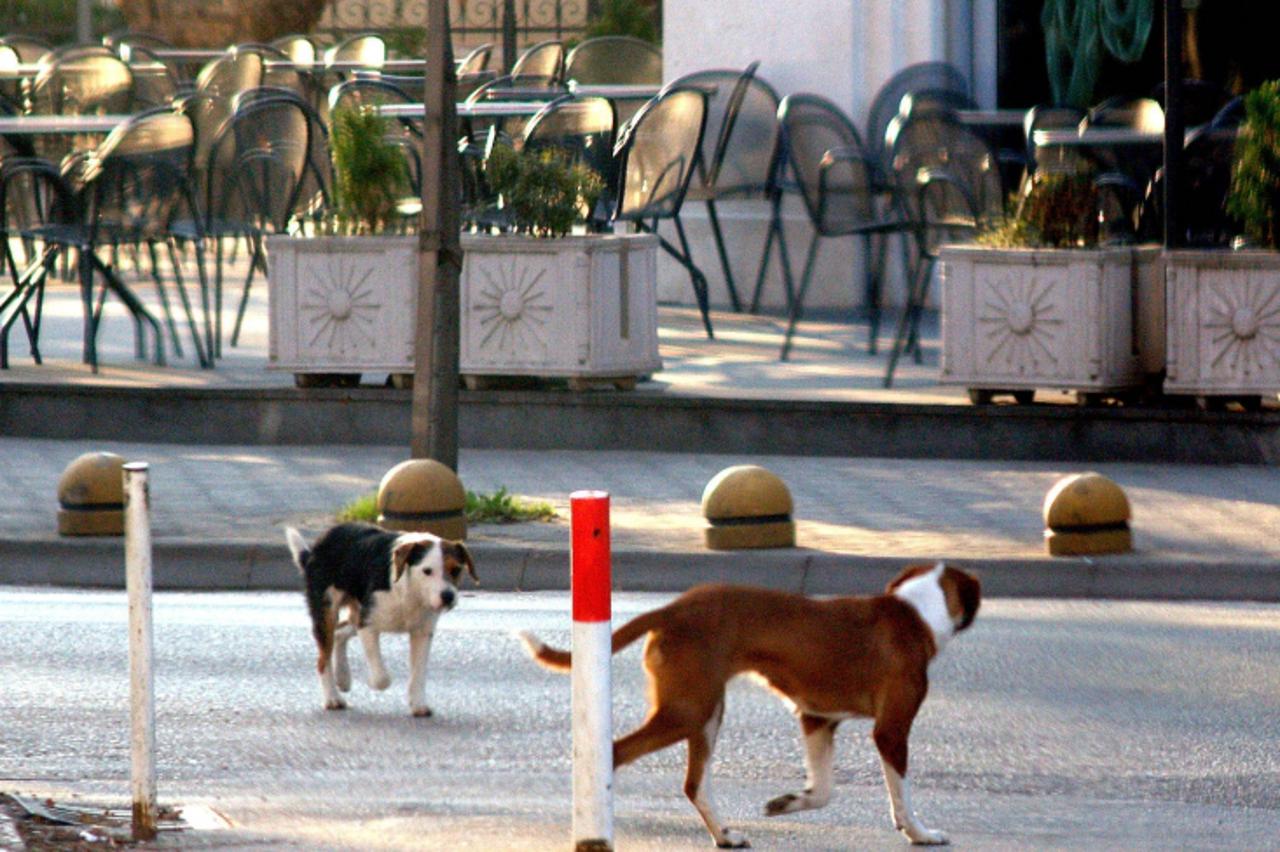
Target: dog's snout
[[448, 598]]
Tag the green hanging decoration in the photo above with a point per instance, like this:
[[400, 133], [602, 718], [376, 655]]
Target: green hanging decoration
[[1075, 33]]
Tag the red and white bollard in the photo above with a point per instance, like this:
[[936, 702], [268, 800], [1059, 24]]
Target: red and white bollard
[[592, 654]]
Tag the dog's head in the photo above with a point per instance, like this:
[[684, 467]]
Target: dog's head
[[431, 566], [961, 591]]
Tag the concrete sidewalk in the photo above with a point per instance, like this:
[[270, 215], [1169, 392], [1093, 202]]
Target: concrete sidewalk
[[218, 515]]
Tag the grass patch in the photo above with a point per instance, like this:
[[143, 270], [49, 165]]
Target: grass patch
[[500, 507]]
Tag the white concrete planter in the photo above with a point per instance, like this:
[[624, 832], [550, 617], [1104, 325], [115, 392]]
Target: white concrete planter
[[1223, 323], [580, 307], [1026, 319]]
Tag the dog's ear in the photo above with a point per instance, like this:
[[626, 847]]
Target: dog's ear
[[405, 552], [458, 553], [906, 574]]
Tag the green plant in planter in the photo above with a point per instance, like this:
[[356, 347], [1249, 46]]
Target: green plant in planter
[[544, 192], [370, 175], [1056, 211], [623, 17], [1255, 178]]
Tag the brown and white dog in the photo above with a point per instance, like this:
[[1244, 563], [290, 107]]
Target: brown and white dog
[[830, 659], [388, 583]]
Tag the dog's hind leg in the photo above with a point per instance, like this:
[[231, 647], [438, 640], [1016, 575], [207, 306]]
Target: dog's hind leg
[[893, 725], [819, 749], [697, 782], [419, 649], [325, 629], [341, 666]]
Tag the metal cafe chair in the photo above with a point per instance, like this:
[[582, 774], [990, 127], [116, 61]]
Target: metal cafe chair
[[614, 60], [824, 161], [657, 155], [134, 184], [737, 155], [252, 186], [948, 186], [887, 103], [32, 195], [79, 81], [476, 59]]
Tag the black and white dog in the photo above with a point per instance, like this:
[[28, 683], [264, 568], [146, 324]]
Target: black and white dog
[[388, 582]]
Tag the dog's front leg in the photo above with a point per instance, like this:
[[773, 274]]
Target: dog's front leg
[[419, 649], [378, 677], [341, 666], [819, 748], [890, 734]]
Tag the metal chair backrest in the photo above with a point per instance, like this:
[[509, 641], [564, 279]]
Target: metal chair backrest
[[1141, 114], [1207, 162], [826, 161], [947, 178], [82, 81], [476, 59], [138, 179], [543, 60], [888, 100], [740, 147], [658, 154], [151, 88], [614, 60], [924, 100], [233, 72], [582, 129], [259, 165], [29, 48], [299, 48], [1044, 117], [366, 49]]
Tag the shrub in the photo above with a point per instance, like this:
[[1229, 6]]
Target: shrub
[[370, 174], [1056, 211], [623, 17], [1255, 177], [543, 191]]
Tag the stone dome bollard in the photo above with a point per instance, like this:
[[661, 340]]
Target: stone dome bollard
[[423, 495], [1086, 514], [747, 506], [91, 496]]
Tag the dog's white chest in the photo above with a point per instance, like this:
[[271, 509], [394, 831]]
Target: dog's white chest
[[398, 613]]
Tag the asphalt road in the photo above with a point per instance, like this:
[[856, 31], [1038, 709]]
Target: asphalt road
[[1050, 724]]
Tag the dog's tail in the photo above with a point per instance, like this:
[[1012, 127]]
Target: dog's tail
[[559, 660], [298, 547]]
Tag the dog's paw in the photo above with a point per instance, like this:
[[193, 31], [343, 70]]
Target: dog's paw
[[921, 836], [335, 704], [733, 840], [421, 711], [379, 681], [781, 805]]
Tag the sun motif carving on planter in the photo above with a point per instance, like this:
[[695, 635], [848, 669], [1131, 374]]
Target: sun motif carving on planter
[[513, 307], [1019, 323], [1243, 327], [339, 306]]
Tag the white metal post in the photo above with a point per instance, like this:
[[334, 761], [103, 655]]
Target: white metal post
[[592, 704], [142, 713]]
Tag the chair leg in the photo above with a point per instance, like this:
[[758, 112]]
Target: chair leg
[[141, 316], [257, 259], [797, 302], [26, 285], [683, 257], [202, 357], [729, 284], [163, 296], [874, 251], [217, 295], [923, 269], [206, 352]]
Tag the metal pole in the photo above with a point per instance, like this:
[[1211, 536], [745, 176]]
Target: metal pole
[[142, 711], [1174, 125], [84, 21], [592, 655], [508, 35]]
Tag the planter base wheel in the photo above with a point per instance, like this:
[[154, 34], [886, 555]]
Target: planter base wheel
[[1250, 403], [1211, 403], [1090, 400], [1024, 397], [981, 396], [326, 380], [579, 384], [401, 381]]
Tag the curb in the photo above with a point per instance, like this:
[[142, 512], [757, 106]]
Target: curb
[[186, 565]]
